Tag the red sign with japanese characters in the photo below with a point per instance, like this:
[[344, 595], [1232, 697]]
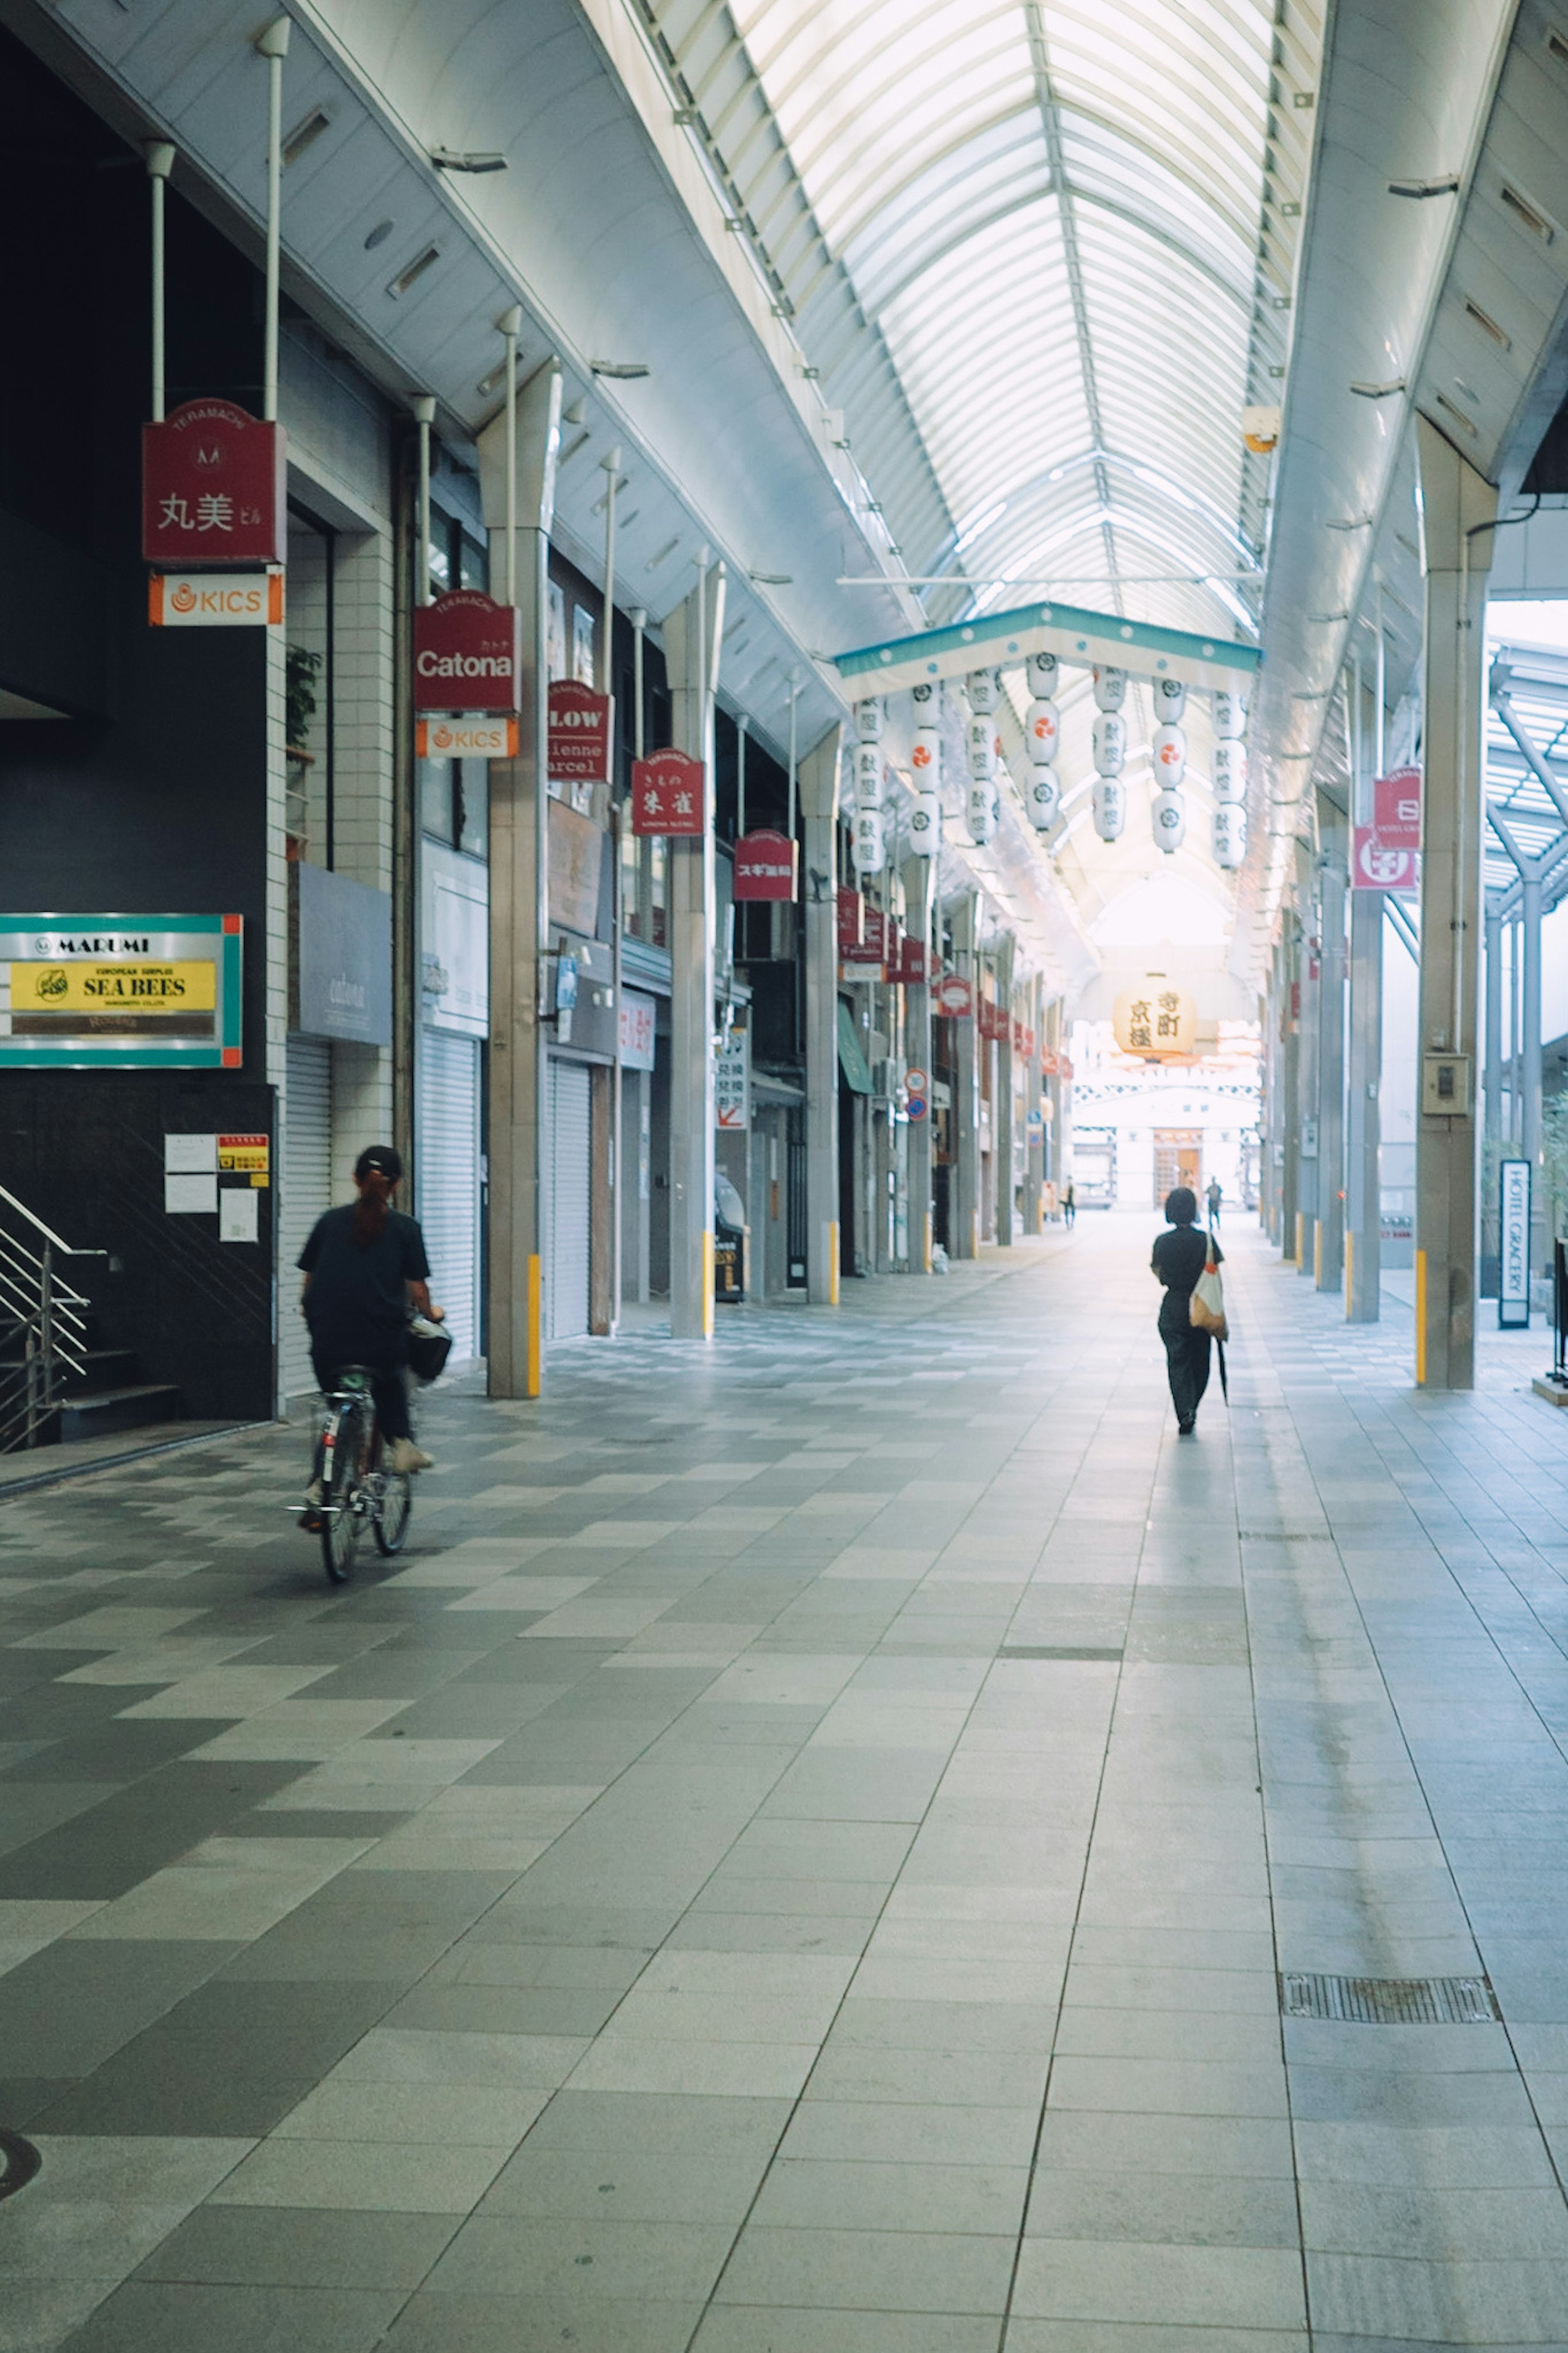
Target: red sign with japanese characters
[[467, 654], [214, 488], [1396, 809], [993, 1020], [850, 906], [765, 866], [669, 794], [872, 945], [914, 963], [955, 997], [577, 731]]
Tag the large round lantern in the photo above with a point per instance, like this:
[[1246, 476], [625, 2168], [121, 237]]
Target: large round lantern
[[1108, 739], [868, 719], [980, 813], [1230, 834], [1044, 797], [1109, 808], [1229, 769], [1170, 818], [866, 767], [1109, 686], [1042, 731], [1170, 700], [982, 750], [925, 821], [1228, 711], [1041, 673], [1169, 753], [870, 846]]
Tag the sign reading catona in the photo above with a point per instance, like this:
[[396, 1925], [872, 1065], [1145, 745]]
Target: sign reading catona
[[467, 654]]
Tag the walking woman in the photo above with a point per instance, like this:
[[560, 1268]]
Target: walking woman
[[1179, 1259]]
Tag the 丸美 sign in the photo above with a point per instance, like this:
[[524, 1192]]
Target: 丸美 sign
[[120, 990]]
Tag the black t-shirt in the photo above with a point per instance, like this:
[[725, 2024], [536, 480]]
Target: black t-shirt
[[1180, 1256], [357, 1303]]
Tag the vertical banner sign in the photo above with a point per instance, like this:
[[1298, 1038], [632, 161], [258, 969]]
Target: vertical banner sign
[[577, 733], [214, 488], [1387, 850], [669, 794], [467, 654], [1513, 1271], [733, 1085]]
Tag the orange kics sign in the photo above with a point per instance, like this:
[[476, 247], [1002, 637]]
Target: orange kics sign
[[669, 795], [463, 735], [214, 488], [578, 728], [467, 654], [214, 600]]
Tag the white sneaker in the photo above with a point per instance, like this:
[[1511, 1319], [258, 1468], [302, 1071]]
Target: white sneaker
[[314, 1493], [403, 1455]]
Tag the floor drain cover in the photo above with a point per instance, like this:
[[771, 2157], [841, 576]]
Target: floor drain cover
[[1072, 1651], [22, 2160], [1388, 2001]]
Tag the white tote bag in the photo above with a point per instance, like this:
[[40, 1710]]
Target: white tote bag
[[1206, 1309]]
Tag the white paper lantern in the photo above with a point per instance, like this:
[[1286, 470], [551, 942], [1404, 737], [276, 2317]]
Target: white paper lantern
[[1041, 673], [1229, 714], [982, 750], [1229, 769], [1170, 698], [980, 813], [1169, 753], [1109, 686], [982, 685], [1109, 808], [1044, 798], [1170, 818], [925, 822], [1042, 731], [1108, 738], [868, 719], [866, 770], [1230, 834], [925, 757], [870, 846], [926, 700]]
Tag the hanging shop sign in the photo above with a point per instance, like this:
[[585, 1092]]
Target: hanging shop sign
[[954, 998], [669, 794], [995, 1022], [1513, 1265], [1379, 865], [1155, 1022], [214, 488], [733, 1085], [579, 725], [343, 970], [637, 1027], [765, 867], [851, 908], [871, 948], [214, 600], [467, 654], [1397, 808], [914, 964], [120, 991], [466, 736]]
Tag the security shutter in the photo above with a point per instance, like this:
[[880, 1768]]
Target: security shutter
[[307, 1192], [566, 1294], [448, 1191]]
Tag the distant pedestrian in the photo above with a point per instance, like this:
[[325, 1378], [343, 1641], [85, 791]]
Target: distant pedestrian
[[1069, 1206], [1179, 1258], [1213, 1197]]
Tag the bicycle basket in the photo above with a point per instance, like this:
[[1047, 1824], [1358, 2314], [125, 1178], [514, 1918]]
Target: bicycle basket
[[428, 1349]]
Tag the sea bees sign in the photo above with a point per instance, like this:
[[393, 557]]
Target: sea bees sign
[[121, 992]]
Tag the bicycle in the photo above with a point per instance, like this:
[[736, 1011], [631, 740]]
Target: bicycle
[[353, 1486]]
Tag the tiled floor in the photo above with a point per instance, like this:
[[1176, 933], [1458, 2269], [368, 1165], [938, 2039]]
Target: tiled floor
[[795, 1857]]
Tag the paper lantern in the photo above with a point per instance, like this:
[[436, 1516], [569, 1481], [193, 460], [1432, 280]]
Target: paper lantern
[[1044, 798], [980, 814], [1229, 713], [1109, 686], [925, 822], [1170, 816], [982, 685], [869, 847], [1229, 769], [1169, 753], [1109, 808], [868, 719], [927, 701], [1155, 1020], [866, 770], [1042, 731], [925, 756], [982, 750], [1230, 834], [1108, 738], [1041, 673], [1170, 698]]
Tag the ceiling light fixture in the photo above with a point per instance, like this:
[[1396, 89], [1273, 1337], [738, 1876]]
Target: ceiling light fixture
[[623, 371], [448, 159], [1379, 391], [1420, 190], [771, 579]]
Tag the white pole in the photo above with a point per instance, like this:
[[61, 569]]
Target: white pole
[[1377, 715], [273, 45], [160, 164], [741, 777], [424, 412], [611, 464], [510, 324], [793, 763]]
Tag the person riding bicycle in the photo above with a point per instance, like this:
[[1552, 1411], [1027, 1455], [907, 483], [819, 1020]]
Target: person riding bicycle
[[365, 1270]]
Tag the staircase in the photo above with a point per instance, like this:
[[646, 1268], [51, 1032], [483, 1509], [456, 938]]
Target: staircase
[[56, 1383]]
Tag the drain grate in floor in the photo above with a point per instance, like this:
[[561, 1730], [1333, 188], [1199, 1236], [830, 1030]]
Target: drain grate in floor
[[1388, 2001], [1067, 1651]]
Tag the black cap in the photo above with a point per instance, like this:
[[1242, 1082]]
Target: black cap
[[385, 1158]]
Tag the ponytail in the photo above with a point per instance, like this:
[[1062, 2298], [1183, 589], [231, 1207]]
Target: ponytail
[[370, 1209]]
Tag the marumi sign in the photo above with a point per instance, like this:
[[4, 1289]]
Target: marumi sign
[[214, 488], [467, 654]]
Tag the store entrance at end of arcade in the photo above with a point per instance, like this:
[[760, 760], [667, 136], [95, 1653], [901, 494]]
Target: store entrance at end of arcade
[[1178, 1160]]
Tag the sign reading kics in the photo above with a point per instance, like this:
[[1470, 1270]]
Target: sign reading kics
[[467, 654], [117, 990], [214, 600], [466, 736], [764, 866], [214, 485], [578, 729], [669, 794]]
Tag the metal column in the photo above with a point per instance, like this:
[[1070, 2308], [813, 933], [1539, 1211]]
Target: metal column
[[1002, 1106], [819, 816], [1364, 1187], [1457, 507], [1331, 882], [964, 1197], [919, 879], [1034, 1126], [692, 634]]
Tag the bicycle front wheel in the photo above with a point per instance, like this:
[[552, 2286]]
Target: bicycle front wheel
[[391, 1520], [340, 1513]]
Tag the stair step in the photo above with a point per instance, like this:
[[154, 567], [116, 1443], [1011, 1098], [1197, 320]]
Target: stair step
[[127, 1408], [106, 1368]]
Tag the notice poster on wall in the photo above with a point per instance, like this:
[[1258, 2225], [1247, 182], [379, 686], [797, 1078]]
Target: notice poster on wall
[[120, 991]]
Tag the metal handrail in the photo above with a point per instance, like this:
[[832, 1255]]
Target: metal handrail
[[46, 1320]]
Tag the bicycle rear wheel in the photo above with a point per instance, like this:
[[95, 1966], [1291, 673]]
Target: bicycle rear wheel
[[390, 1520], [340, 1514]]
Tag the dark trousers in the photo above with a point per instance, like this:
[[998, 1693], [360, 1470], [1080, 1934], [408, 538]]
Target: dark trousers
[[386, 1389], [1187, 1362]]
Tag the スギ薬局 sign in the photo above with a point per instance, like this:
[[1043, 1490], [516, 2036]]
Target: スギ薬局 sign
[[118, 990], [467, 654]]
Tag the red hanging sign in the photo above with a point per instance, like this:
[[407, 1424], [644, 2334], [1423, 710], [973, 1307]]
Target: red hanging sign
[[578, 728], [467, 654], [873, 945], [914, 964], [764, 866], [955, 997], [669, 794], [1396, 809], [850, 908], [214, 488]]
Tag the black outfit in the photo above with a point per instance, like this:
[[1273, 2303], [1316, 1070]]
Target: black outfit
[[357, 1305], [1069, 1208], [1179, 1258], [1214, 1201]]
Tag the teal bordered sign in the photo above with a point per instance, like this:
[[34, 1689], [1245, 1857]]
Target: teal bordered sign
[[121, 992]]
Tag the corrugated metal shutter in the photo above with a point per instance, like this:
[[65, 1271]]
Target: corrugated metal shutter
[[448, 1191], [307, 1192], [566, 1269]]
